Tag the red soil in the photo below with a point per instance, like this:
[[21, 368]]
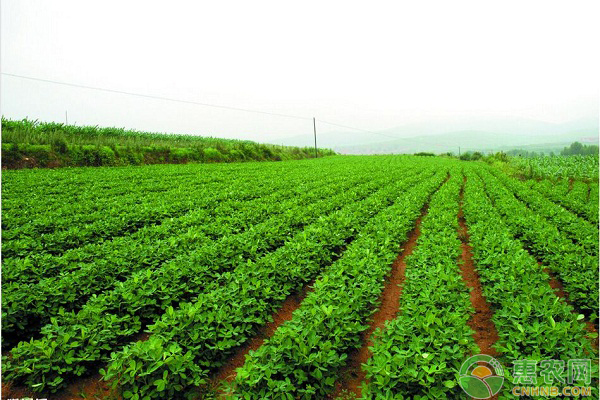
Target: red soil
[[485, 331], [485, 335], [227, 372], [352, 374]]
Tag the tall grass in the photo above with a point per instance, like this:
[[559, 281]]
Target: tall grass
[[45, 144]]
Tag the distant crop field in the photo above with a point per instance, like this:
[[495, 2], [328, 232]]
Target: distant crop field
[[338, 277], [557, 167]]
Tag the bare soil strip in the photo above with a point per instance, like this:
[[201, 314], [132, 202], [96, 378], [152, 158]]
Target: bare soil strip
[[485, 331], [559, 290], [227, 372], [485, 335], [352, 374]]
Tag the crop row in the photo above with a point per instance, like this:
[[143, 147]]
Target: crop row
[[36, 228], [206, 221], [65, 184], [575, 200], [574, 166], [207, 331], [39, 203], [43, 211], [123, 217], [419, 352], [532, 322], [31, 208], [28, 307], [577, 269], [305, 355], [75, 341], [575, 228], [152, 244]]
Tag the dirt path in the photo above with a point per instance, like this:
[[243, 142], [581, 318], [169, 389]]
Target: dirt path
[[352, 374], [485, 331], [485, 335], [227, 372]]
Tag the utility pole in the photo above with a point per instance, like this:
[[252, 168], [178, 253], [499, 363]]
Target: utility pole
[[66, 118], [459, 151], [315, 129]]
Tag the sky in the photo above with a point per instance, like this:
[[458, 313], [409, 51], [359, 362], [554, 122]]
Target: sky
[[371, 65]]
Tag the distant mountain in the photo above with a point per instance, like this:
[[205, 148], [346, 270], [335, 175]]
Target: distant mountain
[[471, 134], [468, 141]]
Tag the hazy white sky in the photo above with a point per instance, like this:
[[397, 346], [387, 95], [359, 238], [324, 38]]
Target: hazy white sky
[[372, 65]]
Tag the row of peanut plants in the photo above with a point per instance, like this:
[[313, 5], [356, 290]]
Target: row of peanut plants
[[74, 342], [26, 311], [159, 197], [418, 354], [304, 357], [575, 267], [532, 322], [207, 332], [576, 200], [575, 228], [241, 211]]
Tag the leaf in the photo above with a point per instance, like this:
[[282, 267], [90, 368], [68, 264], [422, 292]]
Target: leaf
[[450, 384], [160, 384]]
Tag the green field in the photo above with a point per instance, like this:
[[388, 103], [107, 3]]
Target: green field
[[575, 167], [154, 279]]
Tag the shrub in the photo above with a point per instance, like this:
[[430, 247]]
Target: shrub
[[212, 155], [236, 155], [181, 154], [59, 145], [11, 154], [106, 156], [476, 156]]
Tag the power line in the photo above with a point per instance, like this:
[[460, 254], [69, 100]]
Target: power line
[[196, 103], [155, 97]]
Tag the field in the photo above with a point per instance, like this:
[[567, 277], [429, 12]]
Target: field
[[372, 276], [575, 167]]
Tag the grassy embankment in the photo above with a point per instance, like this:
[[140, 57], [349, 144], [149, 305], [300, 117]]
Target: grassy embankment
[[29, 144]]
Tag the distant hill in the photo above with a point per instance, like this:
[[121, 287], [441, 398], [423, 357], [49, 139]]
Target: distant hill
[[471, 134], [470, 141]]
